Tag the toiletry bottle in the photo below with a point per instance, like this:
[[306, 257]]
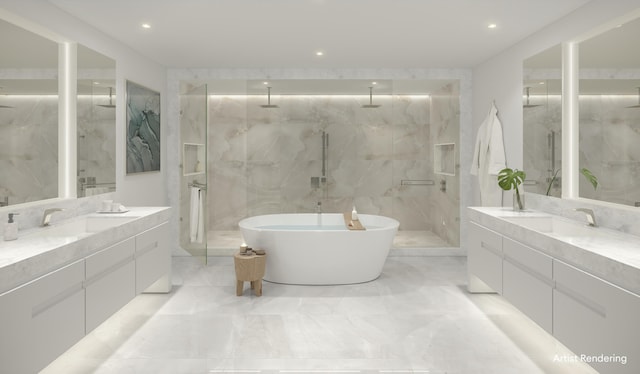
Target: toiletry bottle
[[11, 230], [354, 214]]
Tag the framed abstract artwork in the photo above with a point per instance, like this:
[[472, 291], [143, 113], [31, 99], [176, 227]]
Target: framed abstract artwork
[[143, 129]]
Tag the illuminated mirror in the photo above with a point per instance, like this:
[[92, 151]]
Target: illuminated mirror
[[28, 116], [96, 126], [542, 121], [609, 115]]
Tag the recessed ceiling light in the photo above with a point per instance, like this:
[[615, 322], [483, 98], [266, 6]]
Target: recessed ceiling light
[[319, 53], [265, 83], [492, 25], [145, 26], [374, 82]]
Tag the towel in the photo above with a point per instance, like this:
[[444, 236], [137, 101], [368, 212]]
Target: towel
[[197, 215], [489, 158]]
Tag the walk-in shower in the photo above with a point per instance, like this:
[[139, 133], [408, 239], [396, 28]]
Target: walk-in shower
[[323, 150]]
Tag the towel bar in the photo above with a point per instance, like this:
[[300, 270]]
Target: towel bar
[[418, 182]]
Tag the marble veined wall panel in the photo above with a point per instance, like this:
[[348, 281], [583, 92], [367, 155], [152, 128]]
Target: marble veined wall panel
[[262, 160], [445, 128], [29, 148]]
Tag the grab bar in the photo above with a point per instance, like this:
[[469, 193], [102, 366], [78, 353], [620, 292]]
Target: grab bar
[[417, 182], [198, 185]]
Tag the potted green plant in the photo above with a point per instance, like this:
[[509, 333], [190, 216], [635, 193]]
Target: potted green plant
[[510, 179]]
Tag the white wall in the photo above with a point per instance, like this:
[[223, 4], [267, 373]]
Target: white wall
[[500, 78], [139, 189]]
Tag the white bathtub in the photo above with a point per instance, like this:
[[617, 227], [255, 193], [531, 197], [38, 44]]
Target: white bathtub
[[318, 249]]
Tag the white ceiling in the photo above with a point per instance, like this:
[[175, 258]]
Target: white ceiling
[[287, 33]]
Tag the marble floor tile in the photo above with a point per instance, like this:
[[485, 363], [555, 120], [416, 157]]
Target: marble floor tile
[[416, 318]]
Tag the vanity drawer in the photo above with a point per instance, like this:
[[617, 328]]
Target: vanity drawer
[[593, 317], [153, 259], [485, 256], [527, 282], [110, 282], [110, 257], [41, 319], [529, 258]]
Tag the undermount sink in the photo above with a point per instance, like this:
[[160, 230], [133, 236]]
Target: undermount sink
[[556, 225], [82, 226]]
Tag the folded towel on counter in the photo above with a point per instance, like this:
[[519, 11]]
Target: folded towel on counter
[[352, 225]]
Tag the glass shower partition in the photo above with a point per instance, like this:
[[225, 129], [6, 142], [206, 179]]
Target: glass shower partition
[[193, 188]]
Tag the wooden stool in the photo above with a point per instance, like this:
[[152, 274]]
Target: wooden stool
[[249, 268]]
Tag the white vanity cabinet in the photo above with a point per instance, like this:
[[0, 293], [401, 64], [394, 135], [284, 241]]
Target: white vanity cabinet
[[41, 319], [552, 279], [596, 318], [153, 259], [527, 281], [110, 281], [484, 259], [69, 289]]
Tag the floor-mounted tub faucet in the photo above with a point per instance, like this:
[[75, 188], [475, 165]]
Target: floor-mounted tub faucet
[[46, 217], [591, 217]]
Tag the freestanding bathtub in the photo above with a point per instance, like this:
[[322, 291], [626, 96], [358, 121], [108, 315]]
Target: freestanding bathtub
[[318, 249]]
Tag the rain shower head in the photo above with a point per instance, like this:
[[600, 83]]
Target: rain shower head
[[527, 104], [637, 105], [371, 104], [111, 104], [269, 105]]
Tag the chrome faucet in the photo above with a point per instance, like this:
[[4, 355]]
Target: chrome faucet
[[46, 217], [591, 217]]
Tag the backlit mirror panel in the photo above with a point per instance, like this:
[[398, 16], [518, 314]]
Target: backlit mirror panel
[[609, 115], [542, 121], [96, 109], [28, 116]]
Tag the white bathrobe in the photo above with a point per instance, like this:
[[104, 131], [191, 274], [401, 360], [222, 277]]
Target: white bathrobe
[[489, 159]]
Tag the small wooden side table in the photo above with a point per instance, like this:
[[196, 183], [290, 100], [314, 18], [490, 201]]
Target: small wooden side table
[[251, 269]]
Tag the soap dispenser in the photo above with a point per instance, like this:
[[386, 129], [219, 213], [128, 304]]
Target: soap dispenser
[[11, 230]]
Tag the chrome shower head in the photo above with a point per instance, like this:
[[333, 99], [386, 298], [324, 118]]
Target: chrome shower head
[[269, 105], [371, 104], [527, 104], [111, 104]]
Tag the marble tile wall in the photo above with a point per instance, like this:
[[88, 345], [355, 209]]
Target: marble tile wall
[[445, 128], [177, 77], [29, 148], [193, 129], [261, 160]]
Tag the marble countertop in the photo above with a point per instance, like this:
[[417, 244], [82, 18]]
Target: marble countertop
[[31, 256], [614, 256]]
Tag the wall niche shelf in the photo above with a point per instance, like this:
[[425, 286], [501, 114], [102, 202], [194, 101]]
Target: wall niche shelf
[[444, 159], [193, 159]]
